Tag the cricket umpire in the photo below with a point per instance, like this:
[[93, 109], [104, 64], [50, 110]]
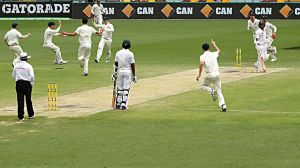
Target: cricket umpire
[[24, 76]]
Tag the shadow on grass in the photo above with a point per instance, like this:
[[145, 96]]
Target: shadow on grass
[[292, 48]]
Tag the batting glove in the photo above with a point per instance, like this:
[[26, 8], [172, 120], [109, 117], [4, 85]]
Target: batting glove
[[113, 76]]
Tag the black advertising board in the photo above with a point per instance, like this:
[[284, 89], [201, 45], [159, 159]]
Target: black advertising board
[[33, 9], [154, 10], [192, 10]]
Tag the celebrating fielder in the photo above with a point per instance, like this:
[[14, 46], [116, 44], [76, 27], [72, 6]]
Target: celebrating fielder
[[97, 12], [49, 33], [209, 60], [252, 25], [11, 39], [270, 30], [106, 40], [85, 33], [125, 73]]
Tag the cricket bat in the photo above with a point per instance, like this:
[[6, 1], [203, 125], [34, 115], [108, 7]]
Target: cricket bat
[[113, 101]]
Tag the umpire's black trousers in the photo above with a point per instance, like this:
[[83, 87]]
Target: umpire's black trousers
[[24, 88]]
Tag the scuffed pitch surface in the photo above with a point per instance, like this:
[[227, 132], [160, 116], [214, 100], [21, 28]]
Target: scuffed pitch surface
[[98, 100]]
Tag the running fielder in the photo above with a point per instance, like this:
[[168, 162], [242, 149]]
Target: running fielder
[[209, 61], [106, 40], [124, 73], [270, 30], [261, 47], [85, 33], [49, 33], [252, 24], [11, 39], [97, 12]]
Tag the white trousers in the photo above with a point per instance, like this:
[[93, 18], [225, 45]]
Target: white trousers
[[124, 80], [272, 50], [104, 43], [84, 53], [262, 57], [216, 82], [98, 21], [16, 50], [56, 50]]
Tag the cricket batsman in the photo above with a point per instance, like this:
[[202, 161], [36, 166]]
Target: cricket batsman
[[106, 40], [97, 12], [49, 33], [209, 61], [124, 73], [252, 24], [85, 33], [271, 31], [261, 47], [11, 39]]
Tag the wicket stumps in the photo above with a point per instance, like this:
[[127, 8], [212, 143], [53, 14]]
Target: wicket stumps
[[52, 96], [238, 58]]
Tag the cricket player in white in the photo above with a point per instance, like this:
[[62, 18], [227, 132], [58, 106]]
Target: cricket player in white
[[271, 31], [252, 24], [85, 33], [261, 47], [209, 60], [125, 73], [106, 40], [11, 39], [97, 12], [49, 33]]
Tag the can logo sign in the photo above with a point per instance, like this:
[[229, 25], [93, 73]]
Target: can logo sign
[[207, 11], [286, 11], [246, 10], [128, 11], [167, 10]]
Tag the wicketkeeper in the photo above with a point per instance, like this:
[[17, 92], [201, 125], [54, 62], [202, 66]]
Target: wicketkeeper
[[124, 73]]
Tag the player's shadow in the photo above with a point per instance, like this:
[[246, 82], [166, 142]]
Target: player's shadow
[[292, 48]]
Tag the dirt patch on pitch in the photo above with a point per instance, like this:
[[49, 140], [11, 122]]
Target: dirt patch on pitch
[[98, 100]]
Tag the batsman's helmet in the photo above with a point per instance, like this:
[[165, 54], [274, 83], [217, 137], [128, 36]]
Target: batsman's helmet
[[126, 44]]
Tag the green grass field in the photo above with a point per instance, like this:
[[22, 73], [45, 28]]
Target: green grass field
[[261, 128]]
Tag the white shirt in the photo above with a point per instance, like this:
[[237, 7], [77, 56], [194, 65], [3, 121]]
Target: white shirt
[[124, 58], [49, 33], [12, 37], [23, 71], [85, 33], [253, 26], [270, 29], [97, 9], [108, 30], [210, 60], [260, 37]]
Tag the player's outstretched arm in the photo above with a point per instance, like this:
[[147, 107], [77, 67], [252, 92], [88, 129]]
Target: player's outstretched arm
[[69, 34], [215, 46]]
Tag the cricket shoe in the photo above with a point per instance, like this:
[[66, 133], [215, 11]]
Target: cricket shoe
[[123, 108], [224, 108], [21, 120], [214, 95], [32, 117], [273, 59], [62, 62], [107, 60], [97, 61], [85, 74]]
